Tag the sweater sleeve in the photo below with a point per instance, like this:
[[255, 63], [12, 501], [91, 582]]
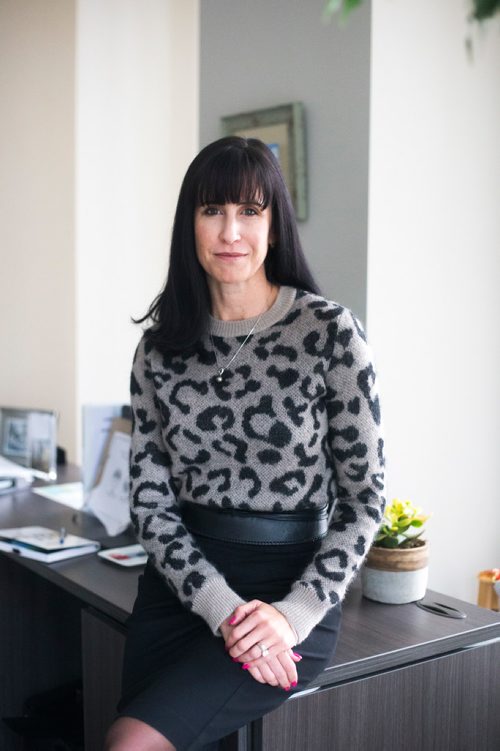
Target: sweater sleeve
[[356, 447], [155, 510]]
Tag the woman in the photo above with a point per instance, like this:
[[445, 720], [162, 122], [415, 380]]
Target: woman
[[256, 464]]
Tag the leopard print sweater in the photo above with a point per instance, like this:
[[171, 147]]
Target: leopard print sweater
[[294, 424]]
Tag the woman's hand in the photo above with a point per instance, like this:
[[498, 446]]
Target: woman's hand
[[257, 623], [279, 670], [225, 629]]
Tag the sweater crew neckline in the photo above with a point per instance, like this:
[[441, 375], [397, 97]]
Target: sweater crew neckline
[[277, 311]]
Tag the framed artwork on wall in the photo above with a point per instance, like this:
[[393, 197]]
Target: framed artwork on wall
[[282, 129]]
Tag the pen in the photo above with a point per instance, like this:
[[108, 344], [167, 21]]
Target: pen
[[62, 536]]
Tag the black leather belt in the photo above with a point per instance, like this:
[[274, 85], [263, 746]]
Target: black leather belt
[[254, 527]]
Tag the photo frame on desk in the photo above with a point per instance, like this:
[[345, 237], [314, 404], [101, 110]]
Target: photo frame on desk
[[282, 128], [29, 438]]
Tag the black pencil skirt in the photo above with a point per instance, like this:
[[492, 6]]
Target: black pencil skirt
[[177, 676]]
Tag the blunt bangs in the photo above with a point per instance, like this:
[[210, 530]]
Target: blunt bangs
[[230, 170], [236, 175]]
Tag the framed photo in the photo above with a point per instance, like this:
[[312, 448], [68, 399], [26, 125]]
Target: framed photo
[[282, 129], [29, 438]]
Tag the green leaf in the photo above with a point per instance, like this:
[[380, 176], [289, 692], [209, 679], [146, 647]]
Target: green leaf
[[403, 521], [331, 7], [483, 9], [350, 5], [391, 542], [343, 7], [403, 527]]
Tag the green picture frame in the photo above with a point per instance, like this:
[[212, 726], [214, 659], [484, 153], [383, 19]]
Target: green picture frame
[[282, 128]]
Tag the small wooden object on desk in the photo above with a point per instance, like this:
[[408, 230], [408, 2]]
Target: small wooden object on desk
[[487, 596]]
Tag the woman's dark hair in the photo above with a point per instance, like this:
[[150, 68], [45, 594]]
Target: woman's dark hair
[[230, 170]]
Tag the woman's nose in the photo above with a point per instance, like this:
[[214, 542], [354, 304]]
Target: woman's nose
[[230, 230]]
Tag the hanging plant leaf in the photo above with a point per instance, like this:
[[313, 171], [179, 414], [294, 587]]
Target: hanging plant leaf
[[481, 9], [350, 5], [484, 9]]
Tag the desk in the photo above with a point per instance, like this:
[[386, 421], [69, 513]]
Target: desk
[[401, 677]]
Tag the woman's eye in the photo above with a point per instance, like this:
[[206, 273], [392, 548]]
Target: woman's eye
[[248, 211], [211, 211]]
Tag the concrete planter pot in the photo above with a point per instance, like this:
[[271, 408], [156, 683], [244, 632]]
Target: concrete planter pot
[[396, 575]]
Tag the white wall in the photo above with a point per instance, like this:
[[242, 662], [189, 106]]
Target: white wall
[[100, 120], [433, 275], [37, 318], [137, 115]]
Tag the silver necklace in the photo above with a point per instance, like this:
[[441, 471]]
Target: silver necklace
[[221, 369]]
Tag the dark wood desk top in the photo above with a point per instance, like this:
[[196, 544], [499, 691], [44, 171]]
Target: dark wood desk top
[[108, 588], [374, 637]]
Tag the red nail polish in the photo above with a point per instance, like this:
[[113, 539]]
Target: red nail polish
[[296, 654], [287, 688], [232, 620], [245, 666], [234, 659], [293, 684]]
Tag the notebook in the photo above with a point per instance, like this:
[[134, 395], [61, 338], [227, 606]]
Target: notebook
[[43, 544]]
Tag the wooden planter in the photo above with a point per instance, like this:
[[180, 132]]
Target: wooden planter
[[488, 591], [396, 575]]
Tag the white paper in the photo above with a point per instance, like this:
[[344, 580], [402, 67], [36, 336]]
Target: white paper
[[97, 419], [108, 501], [127, 556], [68, 493], [42, 537], [11, 469]]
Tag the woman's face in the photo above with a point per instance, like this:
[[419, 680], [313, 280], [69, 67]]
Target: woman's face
[[232, 240]]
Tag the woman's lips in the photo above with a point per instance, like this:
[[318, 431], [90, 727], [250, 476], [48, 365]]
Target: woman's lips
[[230, 255]]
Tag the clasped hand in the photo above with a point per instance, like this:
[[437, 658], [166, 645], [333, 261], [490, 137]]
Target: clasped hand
[[256, 623]]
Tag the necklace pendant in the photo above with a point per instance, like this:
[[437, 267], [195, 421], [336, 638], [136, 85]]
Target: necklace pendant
[[219, 375]]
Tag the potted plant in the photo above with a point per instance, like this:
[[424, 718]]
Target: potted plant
[[396, 567]]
